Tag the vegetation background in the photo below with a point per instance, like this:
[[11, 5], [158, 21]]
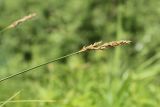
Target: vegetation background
[[119, 77]]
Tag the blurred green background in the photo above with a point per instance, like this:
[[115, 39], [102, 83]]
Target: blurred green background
[[126, 76]]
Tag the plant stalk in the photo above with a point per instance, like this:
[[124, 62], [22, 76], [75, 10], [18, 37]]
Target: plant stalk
[[27, 70]]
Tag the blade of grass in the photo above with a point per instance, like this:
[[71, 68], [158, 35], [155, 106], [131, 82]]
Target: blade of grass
[[30, 101], [118, 53], [3, 30], [123, 89], [149, 62], [9, 99]]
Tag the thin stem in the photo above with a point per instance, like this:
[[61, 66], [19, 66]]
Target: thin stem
[[24, 71], [8, 100], [1, 31], [29, 101]]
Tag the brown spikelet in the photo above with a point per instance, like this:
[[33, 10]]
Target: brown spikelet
[[17, 22], [102, 46]]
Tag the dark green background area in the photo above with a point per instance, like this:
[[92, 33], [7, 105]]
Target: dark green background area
[[126, 76]]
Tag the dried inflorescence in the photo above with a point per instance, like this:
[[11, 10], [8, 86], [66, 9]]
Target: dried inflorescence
[[101, 46], [25, 18]]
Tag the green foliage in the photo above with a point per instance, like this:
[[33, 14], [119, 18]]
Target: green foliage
[[120, 77]]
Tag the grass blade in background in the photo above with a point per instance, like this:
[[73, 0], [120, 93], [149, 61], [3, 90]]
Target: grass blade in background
[[9, 99]]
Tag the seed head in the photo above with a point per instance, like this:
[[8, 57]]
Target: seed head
[[17, 22], [102, 46]]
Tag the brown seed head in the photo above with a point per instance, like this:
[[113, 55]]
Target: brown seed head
[[102, 46], [17, 22]]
